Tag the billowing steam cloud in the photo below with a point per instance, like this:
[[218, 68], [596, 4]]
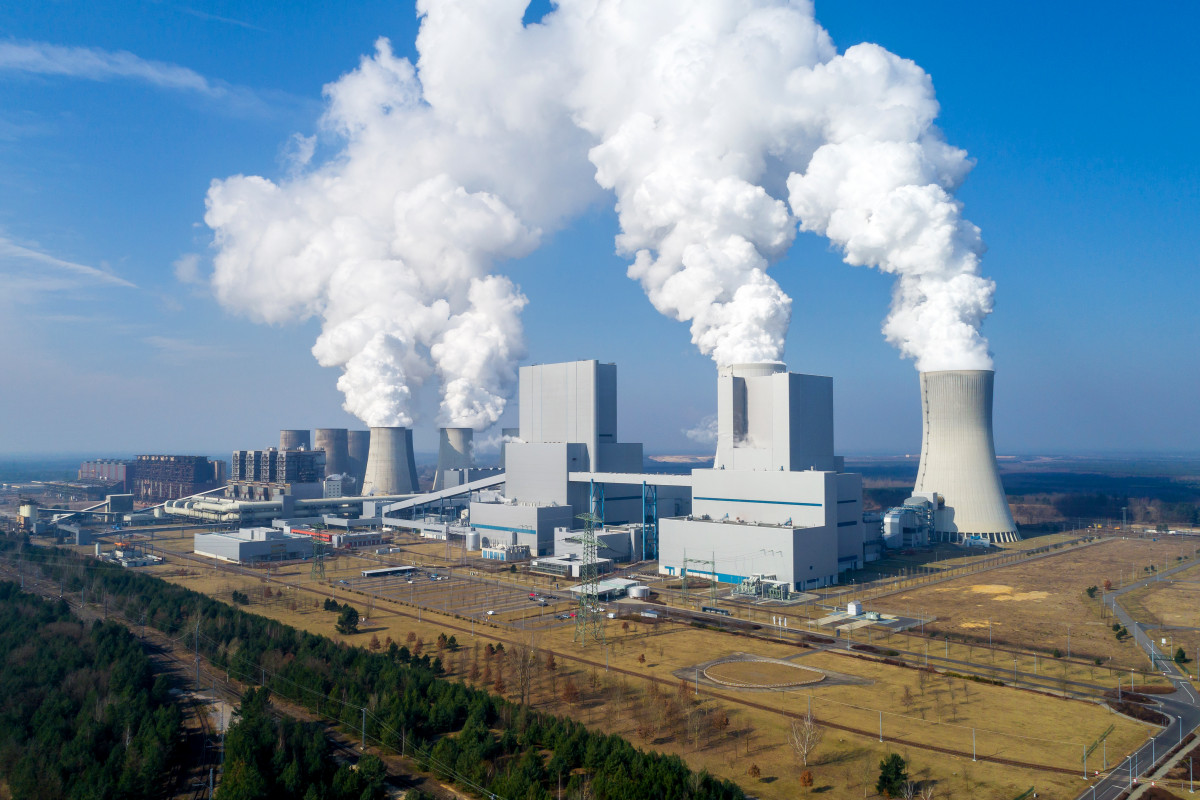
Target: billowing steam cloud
[[392, 241], [721, 126]]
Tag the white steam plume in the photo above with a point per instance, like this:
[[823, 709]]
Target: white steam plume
[[719, 125], [880, 187], [443, 169], [708, 113]]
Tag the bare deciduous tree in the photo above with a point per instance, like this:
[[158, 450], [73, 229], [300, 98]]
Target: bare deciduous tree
[[804, 736]]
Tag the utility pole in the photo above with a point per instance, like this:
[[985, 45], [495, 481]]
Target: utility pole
[[197, 645]]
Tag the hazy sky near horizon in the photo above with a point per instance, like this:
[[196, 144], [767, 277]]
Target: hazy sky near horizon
[[114, 120]]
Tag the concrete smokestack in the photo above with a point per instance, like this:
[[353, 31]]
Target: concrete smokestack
[[958, 456], [391, 465], [337, 451], [294, 440], [455, 451], [359, 445]]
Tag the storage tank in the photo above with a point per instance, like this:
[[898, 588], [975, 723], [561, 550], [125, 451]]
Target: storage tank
[[391, 464], [294, 440], [471, 541], [638, 592], [958, 457], [358, 444], [455, 447], [335, 443]]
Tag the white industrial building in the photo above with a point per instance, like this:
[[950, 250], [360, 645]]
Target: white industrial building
[[568, 461], [776, 504], [253, 545]]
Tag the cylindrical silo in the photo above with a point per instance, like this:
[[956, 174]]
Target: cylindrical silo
[[294, 440], [391, 464], [454, 452], [337, 451], [359, 445], [958, 456]]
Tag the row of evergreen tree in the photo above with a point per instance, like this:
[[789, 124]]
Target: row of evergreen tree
[[484, 743], [81, 714], [284, 759]]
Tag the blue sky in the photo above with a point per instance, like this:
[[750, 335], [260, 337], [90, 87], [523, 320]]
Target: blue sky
[[1082, 120]]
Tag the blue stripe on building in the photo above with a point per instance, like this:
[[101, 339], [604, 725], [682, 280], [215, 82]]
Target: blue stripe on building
[[503, 528], [769, 502]]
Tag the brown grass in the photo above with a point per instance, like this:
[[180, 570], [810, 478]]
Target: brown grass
[[663, 715], [1030, 605]]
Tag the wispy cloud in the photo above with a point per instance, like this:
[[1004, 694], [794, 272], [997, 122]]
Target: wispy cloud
[[218, 18], [94, 64], [11, 251], [184, 349]]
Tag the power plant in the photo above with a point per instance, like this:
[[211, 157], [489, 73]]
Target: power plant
[[776, 513], [391, 464], [958, 457]]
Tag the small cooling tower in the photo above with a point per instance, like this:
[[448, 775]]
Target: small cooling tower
[[454, 452], [358, 443], [391, 465], [337, 451], [958, 457], [294, 440]]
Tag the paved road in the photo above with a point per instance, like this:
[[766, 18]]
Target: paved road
[[1182, 706]]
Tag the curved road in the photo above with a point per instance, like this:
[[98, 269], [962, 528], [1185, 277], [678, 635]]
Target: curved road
[[1182, 706]]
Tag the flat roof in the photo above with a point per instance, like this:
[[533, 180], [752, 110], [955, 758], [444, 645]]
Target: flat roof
[[608, 585]]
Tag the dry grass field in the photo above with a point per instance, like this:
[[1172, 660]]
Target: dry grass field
[[1175, 604], [1030, 605], [648, 694]]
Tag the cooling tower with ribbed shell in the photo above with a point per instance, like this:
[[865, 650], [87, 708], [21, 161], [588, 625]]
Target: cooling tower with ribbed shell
[[391, 465], [337, 450], [454, 452], [359, 445], [294, 440], [958, 457]]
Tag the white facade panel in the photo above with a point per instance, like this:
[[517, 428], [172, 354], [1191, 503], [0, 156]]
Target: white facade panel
[[804, 558], [778, 498]]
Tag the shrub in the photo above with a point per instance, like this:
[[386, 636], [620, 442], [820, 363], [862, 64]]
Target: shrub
[[893, 774], [348, 621]]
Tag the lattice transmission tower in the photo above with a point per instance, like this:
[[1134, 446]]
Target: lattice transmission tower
[[318, 560], [589, 622]]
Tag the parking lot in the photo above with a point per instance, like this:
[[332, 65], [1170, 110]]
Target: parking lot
[[458, 591]]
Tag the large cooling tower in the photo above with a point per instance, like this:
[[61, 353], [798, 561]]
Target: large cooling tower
[[294, 440], [454, 452], [337, 451], [391, 465], [958, 456], [359, 445]]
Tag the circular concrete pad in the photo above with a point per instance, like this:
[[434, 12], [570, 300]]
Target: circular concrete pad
[[761, 674]]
